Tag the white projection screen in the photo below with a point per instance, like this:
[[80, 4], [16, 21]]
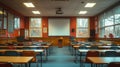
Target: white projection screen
[[59, 27]]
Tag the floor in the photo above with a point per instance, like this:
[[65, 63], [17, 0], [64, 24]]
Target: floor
[[59, 57]]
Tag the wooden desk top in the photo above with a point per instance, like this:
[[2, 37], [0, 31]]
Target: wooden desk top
[[103, 60], [104, 50], [15, 59], [45, 46], [21, 50]]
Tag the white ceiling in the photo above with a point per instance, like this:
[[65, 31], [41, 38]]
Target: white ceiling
[[69, 7]]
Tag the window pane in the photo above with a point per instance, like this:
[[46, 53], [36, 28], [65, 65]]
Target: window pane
[[101, 21], [5, 20], [10, 23], [16, 23], [117, 15], [117, 31], [82, 29], [35, 22], [35, 27], [109, 30], [109, 18], [102, 33], [1, 17], [82, 22]]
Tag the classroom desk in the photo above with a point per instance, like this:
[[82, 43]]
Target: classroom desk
[[21, 50], [99, 50], [38, 46], [103, 60], [15, 59]]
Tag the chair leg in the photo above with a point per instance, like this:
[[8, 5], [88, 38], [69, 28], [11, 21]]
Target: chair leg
[[36, 64], [29, 64]]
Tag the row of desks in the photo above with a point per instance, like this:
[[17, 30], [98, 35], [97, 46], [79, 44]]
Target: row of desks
[[19, 59], [23, 59], [100, 60]]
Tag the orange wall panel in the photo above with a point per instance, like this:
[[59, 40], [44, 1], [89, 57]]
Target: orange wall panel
[[73, 26], [45, 27], [22, 23]]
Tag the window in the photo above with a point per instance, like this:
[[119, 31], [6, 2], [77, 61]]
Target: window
[[10, 23], [35, 27], [16, 22], [82, 29], [1, 17], [110, 23], [5, 20]]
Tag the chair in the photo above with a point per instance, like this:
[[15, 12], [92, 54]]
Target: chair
[[6, 65], [90, 54], [111, 54], [114, 47], [11, 53], [114, 64], [11, 47], [30, 53], [83, 47], [94, 47]]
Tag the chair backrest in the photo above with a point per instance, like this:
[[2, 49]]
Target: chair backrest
[[11, 53], [11, 47], [29, 53], [114, 64], [92, 54], [114, 47], [94, 47], [5, 65], [111, 54], [83, 47]]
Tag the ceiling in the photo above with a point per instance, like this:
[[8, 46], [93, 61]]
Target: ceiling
[[69, 7]]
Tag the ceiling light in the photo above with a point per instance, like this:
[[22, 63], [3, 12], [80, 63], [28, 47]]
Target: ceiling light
[[82, 12], [1, 12], [29, 4], [35, 12], [90, 5]]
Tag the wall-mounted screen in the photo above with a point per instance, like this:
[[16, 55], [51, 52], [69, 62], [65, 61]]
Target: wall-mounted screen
[[59, 27]]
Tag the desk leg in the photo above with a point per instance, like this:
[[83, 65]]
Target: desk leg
[[72, 51], [75, 56], [41, 59], [27, 64], [46, 54], [81, 60]]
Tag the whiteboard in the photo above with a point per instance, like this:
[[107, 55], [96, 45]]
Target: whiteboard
[[59, 27]]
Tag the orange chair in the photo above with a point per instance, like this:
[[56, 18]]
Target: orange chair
[[30, 53], [90, 54], [114, 64], [6, 65]]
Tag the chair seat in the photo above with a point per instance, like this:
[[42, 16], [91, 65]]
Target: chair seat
[[5, 65]]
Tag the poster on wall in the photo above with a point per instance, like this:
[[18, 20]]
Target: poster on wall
[[82, 33], [45, 30], [35, 33]]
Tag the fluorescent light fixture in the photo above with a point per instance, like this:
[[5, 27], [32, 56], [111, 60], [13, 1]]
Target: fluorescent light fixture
[[1, 12], [35, 12], [29, 4], [90, 5], [82, 12]]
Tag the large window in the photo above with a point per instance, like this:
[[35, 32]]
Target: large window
[[16, 22], [82, 29], [109, 23], [35, 27]]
